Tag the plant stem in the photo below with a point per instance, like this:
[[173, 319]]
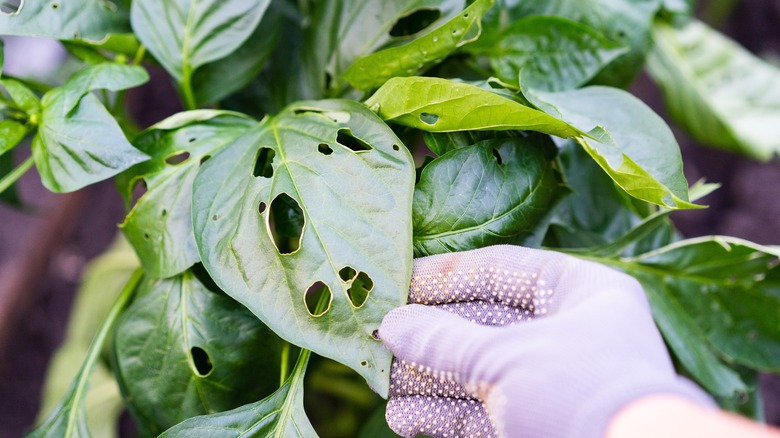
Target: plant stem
[[285, 363], [8, 180], [186, 89], [96, 346], [139, 55]]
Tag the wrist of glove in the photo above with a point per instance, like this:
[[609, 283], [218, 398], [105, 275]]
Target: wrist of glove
[[511, 341]]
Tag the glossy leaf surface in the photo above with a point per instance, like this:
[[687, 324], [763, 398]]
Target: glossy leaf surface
[[485, 194], [160, 224], [70, 19], [79, 142], [631, 143], [352, 182], [183, 350], [279, 415], [370, 72], [716, 90], [551, 53], [186, 34], [441, 105]]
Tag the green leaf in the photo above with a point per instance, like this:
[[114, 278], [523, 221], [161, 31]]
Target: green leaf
[[552, 53], [371, 71], [279, 415], [634, 147], [485, 194], [717, 302], [124, 45], [22, 97], [186, 34], [355, 206], [183, 350], [160, 225], [71, 19], [627, 22], [100, 285], [441, 105], [716, 90], [217, 80], [79, 142], [69, 419], [105, 76], [11, 133]]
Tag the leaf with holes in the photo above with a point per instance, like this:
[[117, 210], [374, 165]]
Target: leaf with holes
[[64, 19], [441, 105], [279, 415], [160, 225], [184, 350], [186, 34], [485, 194], [78, 141], [717, 302], [370, 72], [551, 53], [334, 175], [719, 92], [636, 148]]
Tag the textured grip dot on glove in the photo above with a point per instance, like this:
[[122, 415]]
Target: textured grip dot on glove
[[425, 402]]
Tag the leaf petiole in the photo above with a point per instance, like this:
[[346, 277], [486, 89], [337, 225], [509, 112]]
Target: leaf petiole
[[8, 180], [285, 363]]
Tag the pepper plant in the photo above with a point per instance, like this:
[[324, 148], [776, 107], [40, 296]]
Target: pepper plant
[[324, 144]]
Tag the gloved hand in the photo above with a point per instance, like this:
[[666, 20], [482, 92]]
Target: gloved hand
[[516, 342]]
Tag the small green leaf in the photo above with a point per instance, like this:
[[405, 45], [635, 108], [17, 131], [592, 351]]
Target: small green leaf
[[716, 90], [105, 76], [552, 53], [183, 350], [186, 34], [371, 71], [485, 194], [279, 415], [22, 97], [69, 418], [631, 143], [351, 180], [65, 19], [79, 142], [160, 225], [441, 105], [11, 133]]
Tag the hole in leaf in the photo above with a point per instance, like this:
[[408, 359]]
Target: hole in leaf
[[177, 158], [139, 190], [10, 7], [415, 22], [261, 208], [55, 5], [335, 116], [497, 156], [205, 158], [347, 273], [164, 212], [328, 80], [396, 147], [215, 217], [346, 139], [324, 149], [318, 298], [361, 287], [201, 360], [375, 334], [192, 139], [429, 119], [263, 163], [285, 223], [363, 363], [146, 236]]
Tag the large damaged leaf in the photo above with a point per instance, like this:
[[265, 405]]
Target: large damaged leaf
[[184, 350], [72, 19], [718, 91], [485, 194], [79, 142], [160, 224], [279, 415], [313, 206]]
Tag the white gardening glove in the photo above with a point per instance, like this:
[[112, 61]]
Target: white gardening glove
[[516, 342]]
